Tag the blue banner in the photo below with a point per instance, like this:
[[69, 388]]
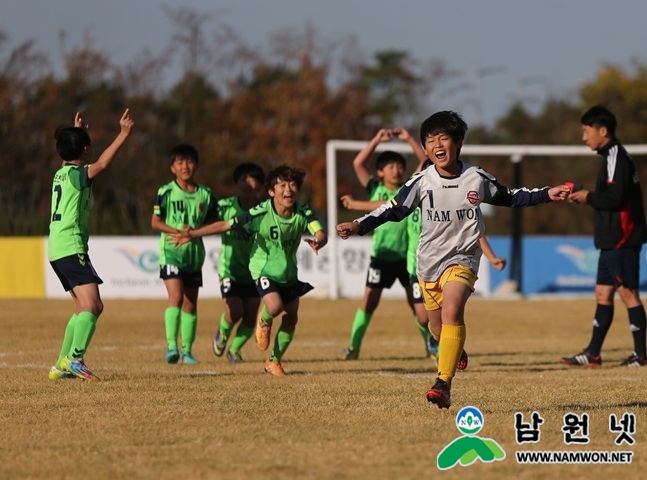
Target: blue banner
[[554, 264]]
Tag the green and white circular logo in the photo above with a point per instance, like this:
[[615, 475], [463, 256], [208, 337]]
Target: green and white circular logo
[[469, 420]]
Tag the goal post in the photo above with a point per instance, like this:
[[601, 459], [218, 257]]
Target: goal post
[[515, 152]]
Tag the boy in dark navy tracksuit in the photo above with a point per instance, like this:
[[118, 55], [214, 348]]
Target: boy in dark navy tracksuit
[[619, 232]]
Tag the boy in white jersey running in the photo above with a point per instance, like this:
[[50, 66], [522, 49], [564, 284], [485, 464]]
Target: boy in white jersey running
[[449, 194]]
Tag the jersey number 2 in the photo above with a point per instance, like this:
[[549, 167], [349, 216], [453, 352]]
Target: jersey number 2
[[59, 193]]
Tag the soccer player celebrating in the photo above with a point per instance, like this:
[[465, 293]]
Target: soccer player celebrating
[[389, 244], [277, 225], [449, 193], [237, 287], [68, 239]]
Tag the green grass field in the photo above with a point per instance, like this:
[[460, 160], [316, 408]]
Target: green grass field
[[328, 419]]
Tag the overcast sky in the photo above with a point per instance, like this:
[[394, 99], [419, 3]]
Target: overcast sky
[[528, 48]]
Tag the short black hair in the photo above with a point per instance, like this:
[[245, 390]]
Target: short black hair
[[248, 169], [286, 173], [446, 121], [184, 150], [598, 116], [71, 141], [387, 157]]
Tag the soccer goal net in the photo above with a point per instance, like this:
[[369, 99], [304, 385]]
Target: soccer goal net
[[340, 262]]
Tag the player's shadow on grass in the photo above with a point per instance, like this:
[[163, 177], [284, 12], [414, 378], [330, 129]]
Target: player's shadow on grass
[[542, 366], [511, 354], [340, 358], [373, 372], [542, 353], [529, 364], [515, 369]]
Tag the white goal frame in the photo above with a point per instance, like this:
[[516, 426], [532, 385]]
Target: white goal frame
[[515, 152]]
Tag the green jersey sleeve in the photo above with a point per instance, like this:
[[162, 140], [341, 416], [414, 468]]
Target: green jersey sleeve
[[70, 212], [213, 213], [313, 225], [389, 240], [414, 227]]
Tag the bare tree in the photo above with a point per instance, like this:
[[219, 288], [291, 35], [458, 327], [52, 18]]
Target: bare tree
[[86, 63], [143, 76], [189, 39]]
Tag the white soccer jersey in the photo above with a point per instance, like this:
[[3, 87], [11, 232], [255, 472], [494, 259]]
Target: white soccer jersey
[[451, 216]]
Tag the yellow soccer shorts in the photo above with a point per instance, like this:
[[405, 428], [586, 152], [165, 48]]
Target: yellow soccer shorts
[[432, 292]]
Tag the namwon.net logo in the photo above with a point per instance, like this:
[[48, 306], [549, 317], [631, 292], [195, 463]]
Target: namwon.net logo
[[467, 449]]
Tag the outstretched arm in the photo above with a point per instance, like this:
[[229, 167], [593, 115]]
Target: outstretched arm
[[348, 229], [126, 123], [397, 209], [351, 203], [389, 212], [524, 197], [220, 226], [558, 193], [179, 238]]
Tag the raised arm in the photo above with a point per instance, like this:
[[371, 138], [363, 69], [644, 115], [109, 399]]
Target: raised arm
[[359, 163], [405, 136], [126, 123], [78, 121]]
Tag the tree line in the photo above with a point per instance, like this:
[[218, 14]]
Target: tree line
[[277, 103]]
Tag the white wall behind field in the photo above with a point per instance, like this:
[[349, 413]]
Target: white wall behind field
[[129, 267]]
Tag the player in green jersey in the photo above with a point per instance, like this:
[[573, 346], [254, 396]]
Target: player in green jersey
[[277, 225], [67, 247], [239, 294], [414, 226], [390, 244], [180, 204]]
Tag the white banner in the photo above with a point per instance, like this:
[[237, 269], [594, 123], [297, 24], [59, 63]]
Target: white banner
[[129, 267]]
